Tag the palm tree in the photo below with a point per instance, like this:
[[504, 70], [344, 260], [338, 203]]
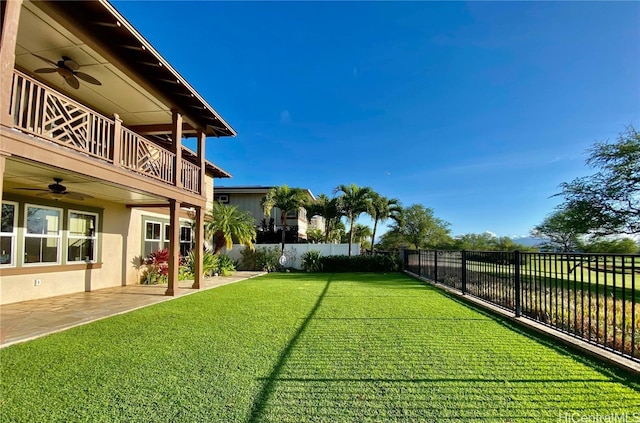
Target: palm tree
[[226, 223], [360, 234], [353, 201], [380, 209], [329, 210], [287, 200]]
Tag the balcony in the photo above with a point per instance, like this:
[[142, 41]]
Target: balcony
[[45, 113]]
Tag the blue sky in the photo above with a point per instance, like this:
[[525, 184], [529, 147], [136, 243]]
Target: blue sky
[[478, 110]]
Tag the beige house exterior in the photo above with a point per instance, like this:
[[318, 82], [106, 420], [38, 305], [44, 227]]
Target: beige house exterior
[[86, 101], [249, 198]]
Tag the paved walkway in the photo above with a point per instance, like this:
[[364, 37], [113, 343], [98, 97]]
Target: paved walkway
[[20, 322]]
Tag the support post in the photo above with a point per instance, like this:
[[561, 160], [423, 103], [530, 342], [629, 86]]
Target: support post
[[116, 140], [419, 262], [201, 161], [174, 247], [464, 272], [8, 39], [176, 147], [435, 265], [517, 283], [198, 278]]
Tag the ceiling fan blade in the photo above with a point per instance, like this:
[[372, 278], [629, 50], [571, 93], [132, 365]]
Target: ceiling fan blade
[[51, 62], [88, 78], [46, 70], [33, 189], [71, 64], [75, 195], [73, 82]]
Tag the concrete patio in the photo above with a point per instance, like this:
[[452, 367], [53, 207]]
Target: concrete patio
[[20, 322]]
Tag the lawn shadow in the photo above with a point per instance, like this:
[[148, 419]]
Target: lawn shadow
[[259, 404]]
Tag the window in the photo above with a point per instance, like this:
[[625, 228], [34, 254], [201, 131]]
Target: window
[[82, 238], [223, 198], [186, 240], [152, 241], [8, 230], [42, 235]]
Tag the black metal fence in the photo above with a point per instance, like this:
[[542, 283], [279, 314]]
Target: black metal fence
[[590, 296]]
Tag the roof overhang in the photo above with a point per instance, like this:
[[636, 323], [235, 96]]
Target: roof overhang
[[110, 43]]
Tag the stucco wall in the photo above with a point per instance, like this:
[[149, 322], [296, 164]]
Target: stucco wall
[[115, 228]]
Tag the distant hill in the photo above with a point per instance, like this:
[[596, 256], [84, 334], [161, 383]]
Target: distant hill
[[529, 241]]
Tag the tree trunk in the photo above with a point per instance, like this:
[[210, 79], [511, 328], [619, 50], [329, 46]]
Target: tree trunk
[[350, 235], [373, 235], [220, 242]]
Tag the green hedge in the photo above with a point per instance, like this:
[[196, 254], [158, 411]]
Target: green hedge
[[375, 263]]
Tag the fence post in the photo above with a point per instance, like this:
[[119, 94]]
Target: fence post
[[435, 265], [419, 262], [517, 283], [464, 272]]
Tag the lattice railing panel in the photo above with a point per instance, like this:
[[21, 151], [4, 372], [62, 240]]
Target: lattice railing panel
[[190, 176], [39, 110], [145, 157]]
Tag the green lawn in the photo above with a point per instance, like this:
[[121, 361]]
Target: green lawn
[[300, 347]]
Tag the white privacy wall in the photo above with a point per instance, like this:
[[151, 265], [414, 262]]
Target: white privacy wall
[[293, 252]]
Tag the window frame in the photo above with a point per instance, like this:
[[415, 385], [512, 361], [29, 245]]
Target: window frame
[[58, 237], [94, 259], [12, 235], [159, 241]]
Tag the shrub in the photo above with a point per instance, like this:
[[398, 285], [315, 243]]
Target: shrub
[[225, 265], [157, 268], [375, 263], [210, 264], [262, 258], [311, 261]]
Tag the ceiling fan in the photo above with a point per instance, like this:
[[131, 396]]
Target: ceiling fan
[[68, 69], [57, 191]]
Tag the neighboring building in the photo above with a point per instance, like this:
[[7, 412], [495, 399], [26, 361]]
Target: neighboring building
[[249, 198], [85, 99]]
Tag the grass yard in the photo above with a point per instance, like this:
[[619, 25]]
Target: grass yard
[[308, 347]]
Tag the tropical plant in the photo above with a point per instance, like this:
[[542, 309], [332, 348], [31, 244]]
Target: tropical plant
[[311, 260], [287, 200], [226, 224], [362, 234], [226, 266], [157, 268], [210, 265], [315, 236], [380, 209], [353, 201]]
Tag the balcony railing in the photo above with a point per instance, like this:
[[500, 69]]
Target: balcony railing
[[41, 111]]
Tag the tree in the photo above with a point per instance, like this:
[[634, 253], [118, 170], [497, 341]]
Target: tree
[[353, 201], [608, 202], [287, 200], [559, 230], [476, 242], [226, 224], [380, 209], [610, 246], [327, 208], [391, 240], [421, 229]]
